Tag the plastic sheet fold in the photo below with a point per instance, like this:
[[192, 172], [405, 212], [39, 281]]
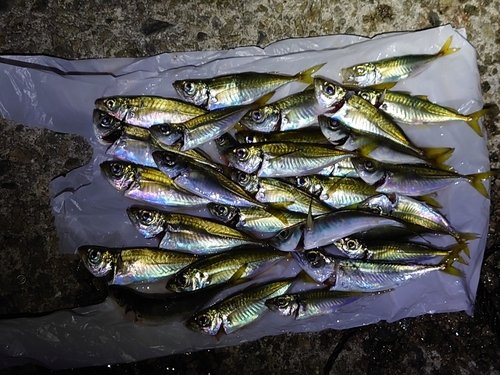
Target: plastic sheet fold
[[56, 94]]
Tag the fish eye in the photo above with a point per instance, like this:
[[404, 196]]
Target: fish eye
[[222, 210], [170, 159], [257, 115], [222, 140], [94, 256], [165, 129], [351, 244], [283, 234], [333, 124], [146, 216], [329, 89], [204, 320], [360, 69], [282, 301], [243, 178], [105, 121], [110, 103], [183, 280], [241, 153], [302, 181], [250, 139], [116, 169], [314, 259], [369, 165], [189, 88]]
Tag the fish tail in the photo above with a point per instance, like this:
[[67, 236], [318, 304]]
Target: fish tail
[[450, 270], [446, 50], [473, 120], [438, 154], [464, 236], [454, 252], [476, 180], [305, 76]]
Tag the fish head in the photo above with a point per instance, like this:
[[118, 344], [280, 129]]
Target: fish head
[[149, 222], [170, 163], [115, 106], [166, 134], [316, 264], [208, 321], [223, 212], [380, 204], [360, 75], [352, 247], [288, 239], [188, 280], [246, 158], [373, 97], [119, 174], [328, 93], [369, 170], [285, 305], [333, 130], [264, 119], [307, 183], [225, 141], [98, 260], [249, 182], [107, 128], [193, 91]]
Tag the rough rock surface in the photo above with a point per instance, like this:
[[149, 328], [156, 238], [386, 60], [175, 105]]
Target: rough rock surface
[[34, 278]]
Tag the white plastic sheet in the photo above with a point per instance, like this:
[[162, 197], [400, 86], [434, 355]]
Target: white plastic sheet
[[58, 94]]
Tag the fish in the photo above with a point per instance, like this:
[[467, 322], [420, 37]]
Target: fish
[[236, 89], [148, 185], [202, 180], [337, 192], [154, 309], [145, 111], [394, 251], [364, 276], [330, 94], [133, 265], [338, 224], [256, 219], [288, 239], [107, 129], [414, 180], [279, 194], [311, 303], [293, 112], [238, 310], [361, 117], [186, 233], [413, 212], [306, 135], [345, 138], [418, 110], [220, 268], [283, 159], [392, 69]]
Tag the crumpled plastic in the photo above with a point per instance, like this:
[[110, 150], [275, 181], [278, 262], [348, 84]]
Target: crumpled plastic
[[42, 91]]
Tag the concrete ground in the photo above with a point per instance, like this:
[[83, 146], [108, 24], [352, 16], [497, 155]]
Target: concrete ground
[[29, 158]]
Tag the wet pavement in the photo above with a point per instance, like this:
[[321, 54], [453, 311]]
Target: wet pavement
[[35, 278]]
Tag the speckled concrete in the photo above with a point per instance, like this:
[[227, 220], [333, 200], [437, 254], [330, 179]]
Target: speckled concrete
[[34, 278]]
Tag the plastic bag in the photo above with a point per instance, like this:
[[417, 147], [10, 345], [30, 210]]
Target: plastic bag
[[59, 95]]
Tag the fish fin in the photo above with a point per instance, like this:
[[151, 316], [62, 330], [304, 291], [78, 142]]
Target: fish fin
[[278, 214], [305, 278], [384, 86], [219, 334], [367, 149], [282, 205], [262, 101], [237, 279], [446, 50], [421, 97], [473, 120], [468, 236], [305, 76], [430, 201], [309, 222], [476, 180], [438, 154], [310, 87]]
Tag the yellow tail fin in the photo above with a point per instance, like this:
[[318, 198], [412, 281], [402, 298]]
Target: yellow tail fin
[[450, 270], [476, 180], [430, 201], [446, 50], [438, 154], [473, 120], [305, 76]]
